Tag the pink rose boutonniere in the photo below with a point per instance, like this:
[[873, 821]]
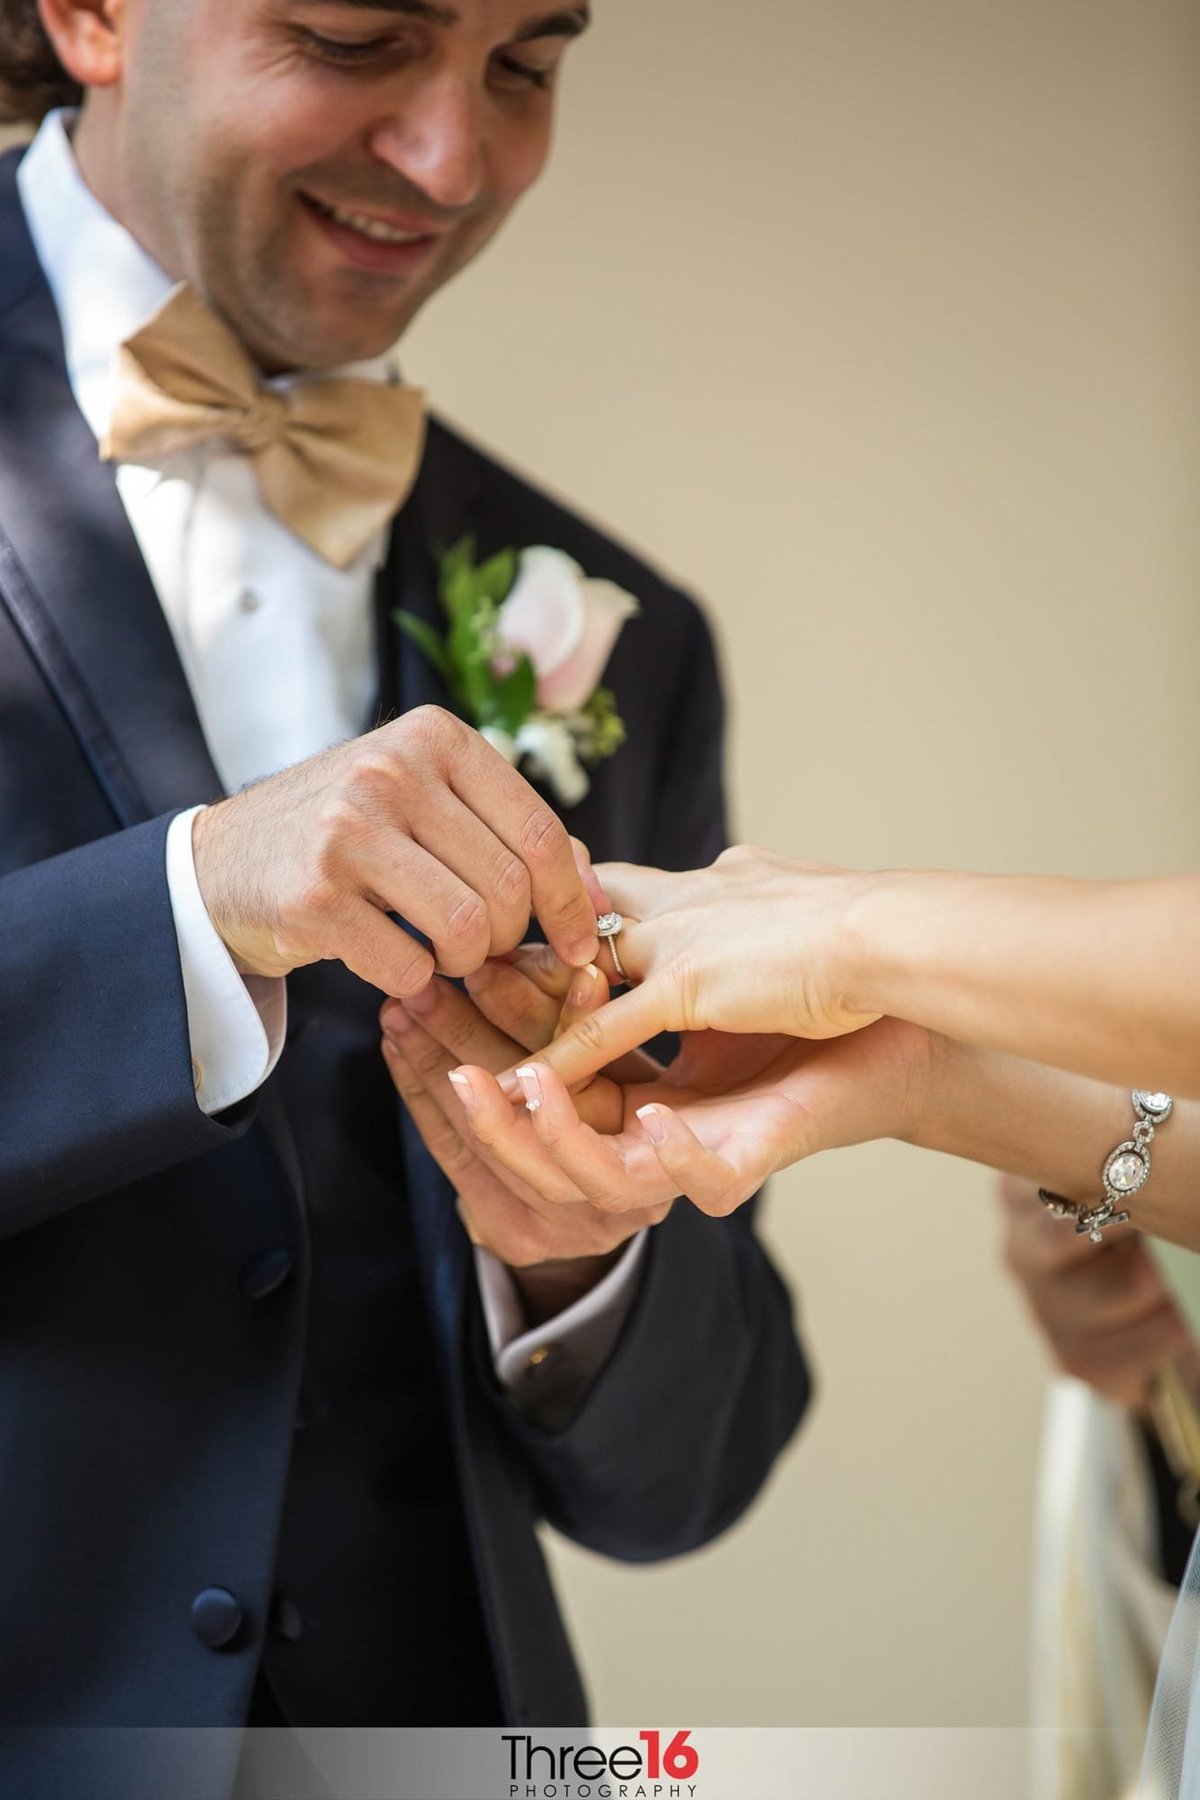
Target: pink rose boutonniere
[[528, 640]]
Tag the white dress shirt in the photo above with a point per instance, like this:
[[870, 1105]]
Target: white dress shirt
[[278, 650]]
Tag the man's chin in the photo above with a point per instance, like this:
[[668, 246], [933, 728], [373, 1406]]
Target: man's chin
[[312, 340]]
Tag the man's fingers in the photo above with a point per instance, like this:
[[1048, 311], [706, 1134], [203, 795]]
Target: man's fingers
[[1122, 1364], [454, 1154], [716, 1184], [517, 1004], [506, 803], [435, 900], [591, 881], [458, 1026], [468, 847], [378, 951]]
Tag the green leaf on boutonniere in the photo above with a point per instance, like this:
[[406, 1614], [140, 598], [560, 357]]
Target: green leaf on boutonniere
[[427, 641], [512, 697], [495, 579]]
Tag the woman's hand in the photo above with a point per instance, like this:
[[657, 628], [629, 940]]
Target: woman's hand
[[729, 1112], [756, 943]]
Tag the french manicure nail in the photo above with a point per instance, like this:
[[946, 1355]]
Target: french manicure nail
[[462, 1087], [652, 1119], [531, 1087]]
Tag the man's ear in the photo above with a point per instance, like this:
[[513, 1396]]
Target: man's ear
[[87, 36]]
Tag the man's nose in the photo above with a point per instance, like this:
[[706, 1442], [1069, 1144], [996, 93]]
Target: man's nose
[[435, 139]]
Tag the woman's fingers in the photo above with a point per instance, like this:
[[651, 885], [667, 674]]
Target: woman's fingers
[[615, 1173], [638, 892], [603, 1037], [716, 1184], [508, 1137]]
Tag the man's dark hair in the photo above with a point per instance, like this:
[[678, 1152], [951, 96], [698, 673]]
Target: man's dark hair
[[32, 80]]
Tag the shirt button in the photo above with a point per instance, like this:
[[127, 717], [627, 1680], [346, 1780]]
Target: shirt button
[[216, 1617], [264, 1273], [249, 601], [539, 1356]]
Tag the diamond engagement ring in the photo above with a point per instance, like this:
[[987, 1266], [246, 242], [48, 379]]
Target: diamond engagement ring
[[609, 927]]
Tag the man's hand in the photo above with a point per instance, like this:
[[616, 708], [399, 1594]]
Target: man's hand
[[1104, 1309], [556, 1243], [421, 818]]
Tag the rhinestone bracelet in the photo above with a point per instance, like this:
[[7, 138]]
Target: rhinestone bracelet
[[1126, 1172]]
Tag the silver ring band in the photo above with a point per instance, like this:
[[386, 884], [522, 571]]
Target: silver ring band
[[609, 927]]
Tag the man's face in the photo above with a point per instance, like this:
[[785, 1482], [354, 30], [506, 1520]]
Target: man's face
[[316, 169]]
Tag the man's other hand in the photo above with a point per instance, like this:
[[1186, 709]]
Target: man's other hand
[[556, 1243], [1104, 1309]]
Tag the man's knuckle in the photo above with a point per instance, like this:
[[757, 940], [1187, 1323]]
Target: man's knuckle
[[543, 838], [431, 732], [467, 923], [510, 884]]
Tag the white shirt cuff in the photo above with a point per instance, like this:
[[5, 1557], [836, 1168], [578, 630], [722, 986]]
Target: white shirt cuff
[[565, 1355], [236, 1023]]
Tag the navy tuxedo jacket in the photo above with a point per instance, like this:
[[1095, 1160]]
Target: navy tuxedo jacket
[[156, 1266]]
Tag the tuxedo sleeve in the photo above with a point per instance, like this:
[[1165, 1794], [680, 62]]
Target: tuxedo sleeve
[[707, 1382], [97, 1087]]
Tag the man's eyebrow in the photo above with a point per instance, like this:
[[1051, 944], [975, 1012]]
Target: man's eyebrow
[[572, 22], [426, 10]]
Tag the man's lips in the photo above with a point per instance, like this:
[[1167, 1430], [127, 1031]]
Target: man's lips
[[388, 244]]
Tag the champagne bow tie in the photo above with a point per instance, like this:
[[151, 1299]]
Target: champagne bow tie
[[335, 459]]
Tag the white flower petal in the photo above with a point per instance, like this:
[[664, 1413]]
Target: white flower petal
[[544, 614], [549, 748], [573, 682]]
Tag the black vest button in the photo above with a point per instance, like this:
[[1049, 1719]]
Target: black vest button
[[287, 1621], [216, 1617], [265, 1272]]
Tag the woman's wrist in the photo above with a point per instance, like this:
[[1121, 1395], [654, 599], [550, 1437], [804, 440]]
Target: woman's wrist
[[878, 941]]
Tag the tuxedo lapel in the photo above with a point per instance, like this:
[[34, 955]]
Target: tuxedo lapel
[[73, 575], [408, 582], [440, 511]]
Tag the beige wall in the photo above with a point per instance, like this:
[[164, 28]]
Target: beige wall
[[876, 322]]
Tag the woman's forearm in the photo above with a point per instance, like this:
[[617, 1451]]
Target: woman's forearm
[[1099, 978], [1058, 1129]]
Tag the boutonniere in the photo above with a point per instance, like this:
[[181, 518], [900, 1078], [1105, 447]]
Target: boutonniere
[[529, 636]]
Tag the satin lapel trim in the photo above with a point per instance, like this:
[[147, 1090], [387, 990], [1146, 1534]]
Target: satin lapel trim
[[439, 511], [87, 606]]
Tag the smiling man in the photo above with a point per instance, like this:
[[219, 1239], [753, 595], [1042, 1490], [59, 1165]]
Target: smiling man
[[290, 1377]]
